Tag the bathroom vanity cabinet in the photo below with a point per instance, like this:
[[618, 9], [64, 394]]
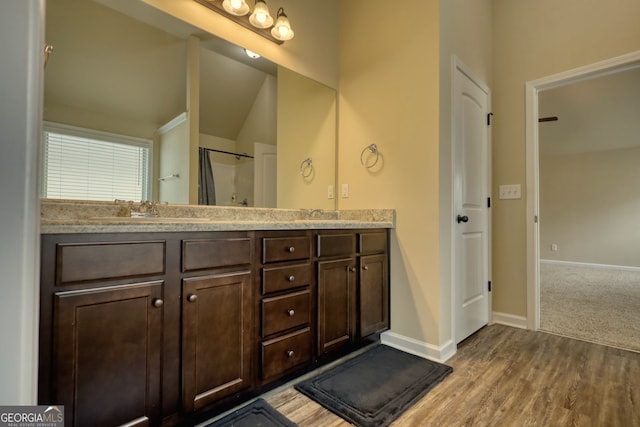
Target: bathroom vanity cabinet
[[353, 287], [155, 328], [216, 319], [285, 320]]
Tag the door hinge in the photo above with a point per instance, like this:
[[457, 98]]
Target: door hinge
[[488, 202], [489, 285], [489, 119]]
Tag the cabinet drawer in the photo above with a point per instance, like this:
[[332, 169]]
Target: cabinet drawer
[[336, 245], [215, 253], [284, 353], [285, 312], [285, 248], [372, 242], [80, 262], [276, 279]]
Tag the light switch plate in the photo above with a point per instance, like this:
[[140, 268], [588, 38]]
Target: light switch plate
[[330, 193], [345, 190], [510, 191]]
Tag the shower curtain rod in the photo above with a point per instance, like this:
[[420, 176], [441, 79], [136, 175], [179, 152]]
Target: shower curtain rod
[[227, 152]]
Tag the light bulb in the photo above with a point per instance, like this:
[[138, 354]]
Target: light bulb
[[261, 18], [282, 30], [236, 7]]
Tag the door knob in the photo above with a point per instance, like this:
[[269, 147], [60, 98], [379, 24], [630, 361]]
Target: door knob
[[462, 219]]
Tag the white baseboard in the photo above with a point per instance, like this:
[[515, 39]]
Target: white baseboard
[[419, 348], [509, 320], [592, 265]]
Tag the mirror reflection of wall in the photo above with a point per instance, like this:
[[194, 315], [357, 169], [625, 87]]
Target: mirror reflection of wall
[[110, 72], [247, 116]]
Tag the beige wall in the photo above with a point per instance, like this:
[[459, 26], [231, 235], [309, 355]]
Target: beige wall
[[389, 96], [120, 77], [533, 40], [306, 129], [589, 206], [260, 125], [395, 91]]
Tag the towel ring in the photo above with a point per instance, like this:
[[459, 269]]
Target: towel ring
[[373, 148], [306, 167]]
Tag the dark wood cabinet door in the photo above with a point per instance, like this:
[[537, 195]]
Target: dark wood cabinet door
[[336, 304], [107, 354], [374, 294], [216, 333]]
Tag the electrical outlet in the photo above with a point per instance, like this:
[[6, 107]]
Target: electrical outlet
[[554, 247], [345, 190], [330, 193]]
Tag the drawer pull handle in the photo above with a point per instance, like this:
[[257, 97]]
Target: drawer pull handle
[[291, 249], [192, 298], [291, 278], [158, 302], [290, 353], [365, 268], [290, 312]]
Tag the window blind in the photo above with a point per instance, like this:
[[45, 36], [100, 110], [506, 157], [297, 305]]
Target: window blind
[[87, 165]]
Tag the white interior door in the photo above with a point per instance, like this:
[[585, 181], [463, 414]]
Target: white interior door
[[265, 175], [471, 237]]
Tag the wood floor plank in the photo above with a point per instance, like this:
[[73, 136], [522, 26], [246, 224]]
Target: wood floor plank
[[511, 377]]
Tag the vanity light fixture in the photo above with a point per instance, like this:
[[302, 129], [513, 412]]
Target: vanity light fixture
[[259, 21]]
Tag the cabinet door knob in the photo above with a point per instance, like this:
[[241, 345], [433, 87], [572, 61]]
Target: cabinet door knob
[[291, 278], [290, 312], [290, 353], [158, 302], [291, 249], [352, 269], [192, 298], [365, 267]]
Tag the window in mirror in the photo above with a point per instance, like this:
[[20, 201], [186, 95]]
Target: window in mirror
[[85, 164]]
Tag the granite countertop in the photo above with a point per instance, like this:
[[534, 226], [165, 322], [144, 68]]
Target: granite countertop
[[60, 216]]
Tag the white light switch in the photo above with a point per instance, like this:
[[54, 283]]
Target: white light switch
[[345, 190], [330, 194], [510, 191]]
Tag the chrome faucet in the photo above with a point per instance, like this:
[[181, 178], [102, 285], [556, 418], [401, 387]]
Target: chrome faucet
[[143, 209]]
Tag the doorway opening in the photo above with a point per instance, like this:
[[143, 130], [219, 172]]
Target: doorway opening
[[533, 88]]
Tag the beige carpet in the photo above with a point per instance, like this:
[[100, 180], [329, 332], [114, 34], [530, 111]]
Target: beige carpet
[[591, 304]]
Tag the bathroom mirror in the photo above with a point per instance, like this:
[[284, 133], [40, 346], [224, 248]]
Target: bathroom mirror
[[125, 68]]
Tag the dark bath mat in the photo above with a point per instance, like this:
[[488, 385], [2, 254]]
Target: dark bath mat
[[374, 388], [256, 414]]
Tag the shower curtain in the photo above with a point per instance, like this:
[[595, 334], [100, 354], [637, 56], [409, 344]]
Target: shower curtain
[[206, 188]]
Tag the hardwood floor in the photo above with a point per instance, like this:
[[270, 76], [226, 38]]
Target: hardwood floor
[[511, 377]]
